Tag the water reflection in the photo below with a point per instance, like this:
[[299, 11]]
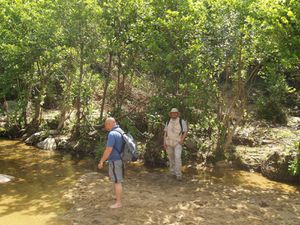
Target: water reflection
[[41, 180]]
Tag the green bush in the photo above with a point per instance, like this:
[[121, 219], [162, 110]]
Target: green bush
[[271, 110], [294, 167], [99, 149], [270, 102]]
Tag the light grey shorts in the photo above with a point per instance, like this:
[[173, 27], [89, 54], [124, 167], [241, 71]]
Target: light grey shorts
[[116, 171]]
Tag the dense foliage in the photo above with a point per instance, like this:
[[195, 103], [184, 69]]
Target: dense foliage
[[137, 59], [294, 167]]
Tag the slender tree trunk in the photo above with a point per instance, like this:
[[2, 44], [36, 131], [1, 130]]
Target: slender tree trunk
[[237, 111], [62, 119], [78, 98], [27, 110], [119, 87], [231, 114], [38, 99], [5, 106], [106, 85], [65, 107]]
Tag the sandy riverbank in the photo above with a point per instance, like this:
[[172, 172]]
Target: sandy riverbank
[[152, 197]]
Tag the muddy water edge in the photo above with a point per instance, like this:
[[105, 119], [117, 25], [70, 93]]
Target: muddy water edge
[[36, 195]]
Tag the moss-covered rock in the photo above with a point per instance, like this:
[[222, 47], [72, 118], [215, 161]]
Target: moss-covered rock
[[36, 138], [13, 131], [2, 132], [276, 166]]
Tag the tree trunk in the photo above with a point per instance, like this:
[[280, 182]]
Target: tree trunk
[[26, 111], [78, 98], [38, 98], [62, 119], [118, 88], [231, 114], [106, 85], [237, 110]]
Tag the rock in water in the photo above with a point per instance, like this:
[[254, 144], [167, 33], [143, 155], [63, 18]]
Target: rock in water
[[5, 178], [48, 144], [36, 137]]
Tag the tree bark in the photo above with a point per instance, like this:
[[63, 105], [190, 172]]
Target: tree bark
[[106, 85], [78, 98]]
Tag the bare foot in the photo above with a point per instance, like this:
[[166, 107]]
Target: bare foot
[[115, 206]]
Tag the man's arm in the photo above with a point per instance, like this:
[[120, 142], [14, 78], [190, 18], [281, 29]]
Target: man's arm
[[185, 131], [182, 138], [105, 156]]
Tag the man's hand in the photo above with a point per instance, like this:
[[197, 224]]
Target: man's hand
[[105, 156], [100, 165], [182, 138]]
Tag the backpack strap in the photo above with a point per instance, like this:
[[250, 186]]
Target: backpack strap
[[120, 131], [167, 123], [180, 122]]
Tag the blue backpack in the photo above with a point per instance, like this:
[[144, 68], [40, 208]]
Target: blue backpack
[[129, 151]]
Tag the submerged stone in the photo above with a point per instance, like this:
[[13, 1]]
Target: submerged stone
[[5, 178]]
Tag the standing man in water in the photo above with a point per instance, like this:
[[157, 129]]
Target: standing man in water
[[113, 154], [175, 134]]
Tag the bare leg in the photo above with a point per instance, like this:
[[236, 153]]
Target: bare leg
[[118, 193]]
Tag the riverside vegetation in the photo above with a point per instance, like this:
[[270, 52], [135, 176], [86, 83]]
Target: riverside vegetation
[[231, 67]]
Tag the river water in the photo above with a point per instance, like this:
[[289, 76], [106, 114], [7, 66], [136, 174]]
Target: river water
[[42, 178], [35, 196]]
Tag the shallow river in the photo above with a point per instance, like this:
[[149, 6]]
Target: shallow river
[[35, 196]]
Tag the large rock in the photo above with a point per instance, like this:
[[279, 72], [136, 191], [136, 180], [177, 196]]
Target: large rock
[[13, 131], [48, 144], [3, 120], [36, 138], [53, 132], [5, 178], [2, 132], [240, 140], [275, 167], [63, 144]]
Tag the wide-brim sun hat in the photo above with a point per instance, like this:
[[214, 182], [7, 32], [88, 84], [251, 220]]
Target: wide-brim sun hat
[[174, 110]]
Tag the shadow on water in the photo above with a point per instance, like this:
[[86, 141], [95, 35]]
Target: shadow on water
[[41, 180]]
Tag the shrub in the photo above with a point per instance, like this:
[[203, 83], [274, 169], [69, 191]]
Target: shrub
[[294, 167], [270, 103], [271, 110]]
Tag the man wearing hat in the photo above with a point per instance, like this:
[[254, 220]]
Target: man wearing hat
[[175, 133]]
